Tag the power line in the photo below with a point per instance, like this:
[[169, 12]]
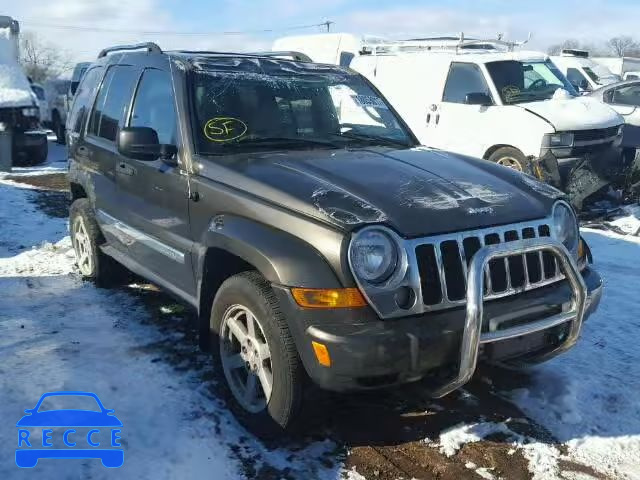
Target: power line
[[170, 32]]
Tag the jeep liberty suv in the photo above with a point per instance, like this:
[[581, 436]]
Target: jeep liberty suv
[[291, 206]]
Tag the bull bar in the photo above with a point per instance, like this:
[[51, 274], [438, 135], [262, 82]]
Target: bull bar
[[473, 337]]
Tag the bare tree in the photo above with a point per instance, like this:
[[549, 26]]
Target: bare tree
[[40, 60], [623, 45]]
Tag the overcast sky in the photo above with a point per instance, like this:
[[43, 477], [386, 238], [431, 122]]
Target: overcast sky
[[550, 21]]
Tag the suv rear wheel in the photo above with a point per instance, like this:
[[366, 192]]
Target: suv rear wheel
[[86, 238], [512, 158], [257, 354]]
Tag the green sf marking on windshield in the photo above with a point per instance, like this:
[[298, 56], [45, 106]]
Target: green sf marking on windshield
[[224, 129]]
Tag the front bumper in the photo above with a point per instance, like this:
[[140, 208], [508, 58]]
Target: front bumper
[[367, 352]]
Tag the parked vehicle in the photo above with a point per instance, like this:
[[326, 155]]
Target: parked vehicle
[[63, 101], [56, 92], [43, 105], [292, 207], [19, 113], [583, 72], [510, 107], [627, 68]]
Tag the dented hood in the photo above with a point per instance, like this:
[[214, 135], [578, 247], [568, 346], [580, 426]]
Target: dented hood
[[581, 113], [417, 192]]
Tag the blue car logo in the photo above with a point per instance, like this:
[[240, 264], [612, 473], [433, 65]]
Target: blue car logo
[[96, 428]]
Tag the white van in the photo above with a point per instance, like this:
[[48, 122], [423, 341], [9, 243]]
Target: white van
[[510, 107], [628, 68], [582, 72]]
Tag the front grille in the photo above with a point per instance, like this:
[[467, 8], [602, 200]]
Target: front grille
[[443, 262], [595, 134]]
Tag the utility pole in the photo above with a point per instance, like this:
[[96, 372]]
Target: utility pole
[[328, 24]]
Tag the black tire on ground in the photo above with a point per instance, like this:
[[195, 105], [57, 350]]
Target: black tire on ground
[[58, 129], [86, 238], [252, 291], [40, 153], [512, 158]]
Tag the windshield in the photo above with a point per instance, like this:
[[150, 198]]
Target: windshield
[[277, 105], [519, 82]]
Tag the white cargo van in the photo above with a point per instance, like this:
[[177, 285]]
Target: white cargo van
[[582, 72], [628, 68], [510, 107]]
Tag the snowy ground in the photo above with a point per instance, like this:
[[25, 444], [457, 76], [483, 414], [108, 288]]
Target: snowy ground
[[575, 417]]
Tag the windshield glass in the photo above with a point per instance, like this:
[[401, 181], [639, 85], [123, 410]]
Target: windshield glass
[[258, 104], [519, 82]]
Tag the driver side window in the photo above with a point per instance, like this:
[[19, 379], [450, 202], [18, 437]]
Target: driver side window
[[463, 79]]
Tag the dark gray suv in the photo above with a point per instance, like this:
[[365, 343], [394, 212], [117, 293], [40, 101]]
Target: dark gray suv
[[289, 204]]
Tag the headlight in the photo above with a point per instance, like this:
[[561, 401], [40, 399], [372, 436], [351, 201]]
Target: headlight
[[30, 112], [558, 140], [373, 255], [565, 226]]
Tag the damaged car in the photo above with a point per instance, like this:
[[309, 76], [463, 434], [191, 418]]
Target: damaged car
[[291, 206]]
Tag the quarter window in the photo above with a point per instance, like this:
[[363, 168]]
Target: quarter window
[[112, 101], [82, 100], [463, 79], [154, 106]]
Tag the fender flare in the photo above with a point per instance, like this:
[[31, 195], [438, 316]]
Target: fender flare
[[280, 257]]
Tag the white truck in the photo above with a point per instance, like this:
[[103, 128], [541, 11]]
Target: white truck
[[19, 113], [585, 74], [628, 68], [511, 107]]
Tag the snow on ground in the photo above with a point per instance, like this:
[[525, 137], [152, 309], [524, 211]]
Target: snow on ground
[[60, 333], [589, 398]]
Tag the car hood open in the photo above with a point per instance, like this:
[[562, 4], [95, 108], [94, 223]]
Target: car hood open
[[417, 191]]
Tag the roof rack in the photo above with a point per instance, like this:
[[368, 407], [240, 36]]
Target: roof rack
[[574, 52], [381, 47], [297, 56], [148, 46]]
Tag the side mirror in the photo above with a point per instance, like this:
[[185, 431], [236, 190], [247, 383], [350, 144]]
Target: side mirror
[[478, 98], [142, 143], [584, 86]]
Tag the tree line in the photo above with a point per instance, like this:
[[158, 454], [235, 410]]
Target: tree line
[[622, 46]]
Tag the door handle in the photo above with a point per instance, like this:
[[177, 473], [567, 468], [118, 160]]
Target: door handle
[[125, 169]]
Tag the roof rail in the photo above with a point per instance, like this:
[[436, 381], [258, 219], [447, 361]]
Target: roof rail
[[378, 47], [297, 56], [148, 46]]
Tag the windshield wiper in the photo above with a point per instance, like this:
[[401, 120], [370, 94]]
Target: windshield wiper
[[371, 138], [283, 141]]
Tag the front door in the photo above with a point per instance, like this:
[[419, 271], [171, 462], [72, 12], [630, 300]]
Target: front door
[[154, 192], [458, 126]]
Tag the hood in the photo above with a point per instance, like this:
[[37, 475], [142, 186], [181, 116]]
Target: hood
[[579, 113], [416, 191]]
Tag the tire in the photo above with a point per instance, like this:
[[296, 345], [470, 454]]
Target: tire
[[58, 129], [511, 158], [86, 238], [39, 154], [249, 294]]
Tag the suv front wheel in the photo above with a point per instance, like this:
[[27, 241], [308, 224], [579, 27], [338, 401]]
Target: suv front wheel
[[257, 354]]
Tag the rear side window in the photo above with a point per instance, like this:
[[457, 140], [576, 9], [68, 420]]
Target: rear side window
[[113, 98], [463, 79], [82, 100], [154, 106]]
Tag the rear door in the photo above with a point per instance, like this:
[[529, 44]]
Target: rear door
[[154, 193], [106, 118]]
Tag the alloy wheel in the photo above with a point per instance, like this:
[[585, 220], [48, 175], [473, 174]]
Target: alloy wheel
[[83, 248], [246, 358]]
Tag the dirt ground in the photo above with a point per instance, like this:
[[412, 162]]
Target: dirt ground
[[383, 434]]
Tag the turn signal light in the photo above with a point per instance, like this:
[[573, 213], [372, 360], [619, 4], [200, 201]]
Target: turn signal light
[[322, 354], [328, 298]]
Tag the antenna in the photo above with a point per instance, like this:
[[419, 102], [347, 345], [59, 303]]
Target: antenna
[[328, 24]]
